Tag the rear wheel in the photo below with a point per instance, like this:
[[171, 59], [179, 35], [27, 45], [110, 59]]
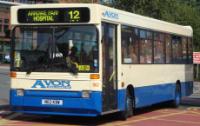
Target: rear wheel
[[128, 112]]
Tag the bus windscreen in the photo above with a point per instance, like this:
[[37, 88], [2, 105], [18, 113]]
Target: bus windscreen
[[54, 15]]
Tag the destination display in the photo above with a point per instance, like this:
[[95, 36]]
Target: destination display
[[54, 15]]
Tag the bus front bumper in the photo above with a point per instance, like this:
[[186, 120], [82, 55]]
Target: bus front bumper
[[72, 103]]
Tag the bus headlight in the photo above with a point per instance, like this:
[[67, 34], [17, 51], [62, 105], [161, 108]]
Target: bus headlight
[[20, 92], [85, 94]]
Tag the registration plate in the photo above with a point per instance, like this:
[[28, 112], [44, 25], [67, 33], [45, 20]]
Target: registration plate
[[52, 102]]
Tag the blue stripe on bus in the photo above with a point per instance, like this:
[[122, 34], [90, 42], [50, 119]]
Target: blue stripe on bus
[[149, 95], [68, 94], [55, 111], [121, 99], [75, 105]]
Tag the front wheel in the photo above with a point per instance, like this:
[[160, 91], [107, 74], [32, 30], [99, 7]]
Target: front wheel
[[128, 112]]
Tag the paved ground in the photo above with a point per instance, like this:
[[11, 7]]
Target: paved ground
[[194, 99], [4, 85], [146, 117]]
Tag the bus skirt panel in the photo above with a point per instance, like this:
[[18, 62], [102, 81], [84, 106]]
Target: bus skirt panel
[[149, 95]]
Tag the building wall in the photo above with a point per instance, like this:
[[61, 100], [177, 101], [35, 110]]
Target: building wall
[[20, 1], [4, 27]]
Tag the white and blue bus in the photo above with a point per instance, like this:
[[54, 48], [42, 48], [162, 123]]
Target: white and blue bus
[[91, 60]]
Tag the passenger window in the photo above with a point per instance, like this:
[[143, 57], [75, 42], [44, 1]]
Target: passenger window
[[168, 46], [129, 45], [190, 50], [159, 56], [176, 49], [145, 47], [184, 49]]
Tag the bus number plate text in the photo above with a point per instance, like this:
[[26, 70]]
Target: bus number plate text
[[52, 102]]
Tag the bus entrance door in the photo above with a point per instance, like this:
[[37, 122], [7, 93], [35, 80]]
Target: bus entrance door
[[109, 47]]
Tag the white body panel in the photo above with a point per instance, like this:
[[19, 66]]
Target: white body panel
[[77, 83], [148, 75]]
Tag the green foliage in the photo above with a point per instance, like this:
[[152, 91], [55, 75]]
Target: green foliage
[[85, 1], [80, 1], [183, 12]]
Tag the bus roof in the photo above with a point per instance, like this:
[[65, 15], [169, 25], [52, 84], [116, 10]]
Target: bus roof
[[100, 13]]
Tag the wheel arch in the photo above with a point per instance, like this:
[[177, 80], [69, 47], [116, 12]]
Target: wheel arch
[[178, 84], [131, 89]]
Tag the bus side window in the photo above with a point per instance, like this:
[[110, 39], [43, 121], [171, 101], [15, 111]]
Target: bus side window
[[129, 45], [159, 56], [168, 50], [184, 49], [145, 47], [176, 49], [190, 50], [126, 31]]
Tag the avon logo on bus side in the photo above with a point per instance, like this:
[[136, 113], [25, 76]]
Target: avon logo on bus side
[[110, 14], [62, 84]]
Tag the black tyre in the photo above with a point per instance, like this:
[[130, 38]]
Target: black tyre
[[128, 107]]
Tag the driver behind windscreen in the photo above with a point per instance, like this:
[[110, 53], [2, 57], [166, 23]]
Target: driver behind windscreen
[[72, 58]]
